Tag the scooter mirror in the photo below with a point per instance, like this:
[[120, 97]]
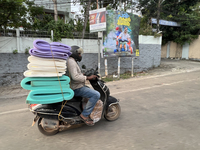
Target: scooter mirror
[[83, 67]]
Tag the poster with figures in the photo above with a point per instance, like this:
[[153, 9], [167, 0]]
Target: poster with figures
[[121, 36]]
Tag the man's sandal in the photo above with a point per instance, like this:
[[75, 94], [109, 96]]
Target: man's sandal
[[87, 121]]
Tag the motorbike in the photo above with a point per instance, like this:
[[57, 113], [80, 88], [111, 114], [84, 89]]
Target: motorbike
[[56, 117]]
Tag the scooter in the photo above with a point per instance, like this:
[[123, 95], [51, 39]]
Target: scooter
[[56, 117]]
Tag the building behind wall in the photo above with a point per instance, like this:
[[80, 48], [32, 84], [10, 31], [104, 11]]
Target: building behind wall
[[187, 51], [63, 8]]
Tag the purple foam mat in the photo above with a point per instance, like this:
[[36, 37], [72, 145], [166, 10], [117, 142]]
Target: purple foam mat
[[48, 54], [45, 50]]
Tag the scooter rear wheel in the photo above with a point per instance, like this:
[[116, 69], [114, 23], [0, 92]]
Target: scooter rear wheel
[[48, 132], [113, 112]]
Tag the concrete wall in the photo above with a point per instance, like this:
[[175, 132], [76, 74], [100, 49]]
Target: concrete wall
[[194, 51], [175, 50], [172, 52], [164, 51], [12, 65], [187, 51]]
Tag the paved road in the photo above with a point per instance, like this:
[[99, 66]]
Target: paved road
[[158, 112]]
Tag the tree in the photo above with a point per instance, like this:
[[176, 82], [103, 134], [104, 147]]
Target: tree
[[41, 23], [61, 29], [16, 13], [178, 11], [86, 17]]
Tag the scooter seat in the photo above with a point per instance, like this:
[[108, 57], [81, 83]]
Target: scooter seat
[[76, 99]]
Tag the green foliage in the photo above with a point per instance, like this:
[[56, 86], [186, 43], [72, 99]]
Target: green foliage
[[15, 51], [117, 5], [79, 25], [13, 13], [27, 50], [42, 22], [111, 21], [147, 30], [60, 29], [184, 12]]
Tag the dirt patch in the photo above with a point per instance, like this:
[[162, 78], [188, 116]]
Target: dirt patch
[[171, 65]]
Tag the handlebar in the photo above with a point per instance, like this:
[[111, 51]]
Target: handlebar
[[91, 72]]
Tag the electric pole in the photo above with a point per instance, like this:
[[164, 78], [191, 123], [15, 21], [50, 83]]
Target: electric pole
[[158, 16], [86, 18], [55, 10]]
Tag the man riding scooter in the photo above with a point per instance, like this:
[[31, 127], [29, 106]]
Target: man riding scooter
[[78, 84]]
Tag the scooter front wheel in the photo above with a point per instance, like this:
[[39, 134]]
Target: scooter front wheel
[[113, 112], [48, 131]]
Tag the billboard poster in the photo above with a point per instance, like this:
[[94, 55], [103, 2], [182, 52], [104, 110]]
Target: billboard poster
[[97, 20], [121, 36]]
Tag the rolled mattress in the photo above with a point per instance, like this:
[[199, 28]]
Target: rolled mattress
[[32, 66], [35, 73], [48, 96], [48, 54], [37, 83], [47, 62], [47, 90], [54, 46]]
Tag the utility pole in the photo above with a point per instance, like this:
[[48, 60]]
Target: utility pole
[[55, 10], [86, 18], [158, 16], [132, 69], [99, 65], [102, 4], [131, 6]]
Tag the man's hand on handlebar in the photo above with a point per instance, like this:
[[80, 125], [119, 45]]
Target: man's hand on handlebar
[[92, 77]]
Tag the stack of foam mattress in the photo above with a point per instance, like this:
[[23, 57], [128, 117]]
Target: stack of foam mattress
[[47, 59], [45, 75]]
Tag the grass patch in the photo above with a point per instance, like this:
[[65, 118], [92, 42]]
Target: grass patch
[[125, 75]]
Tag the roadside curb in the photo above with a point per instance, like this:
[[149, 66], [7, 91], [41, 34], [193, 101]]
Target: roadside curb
[[23, 92], [13, 96]]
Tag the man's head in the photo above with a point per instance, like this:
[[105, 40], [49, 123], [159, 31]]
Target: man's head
[[76, 53], [125, 29]]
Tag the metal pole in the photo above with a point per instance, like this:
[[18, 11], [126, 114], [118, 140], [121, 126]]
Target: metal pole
[[102, 45], [118, 67], [132, 67], [52, 34], [99, 56], [18, 34], [97, 5], [106, 67], [132, 57], [131, 6]]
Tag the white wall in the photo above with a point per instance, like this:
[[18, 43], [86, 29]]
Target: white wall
[[8, 44], [143, 39]]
